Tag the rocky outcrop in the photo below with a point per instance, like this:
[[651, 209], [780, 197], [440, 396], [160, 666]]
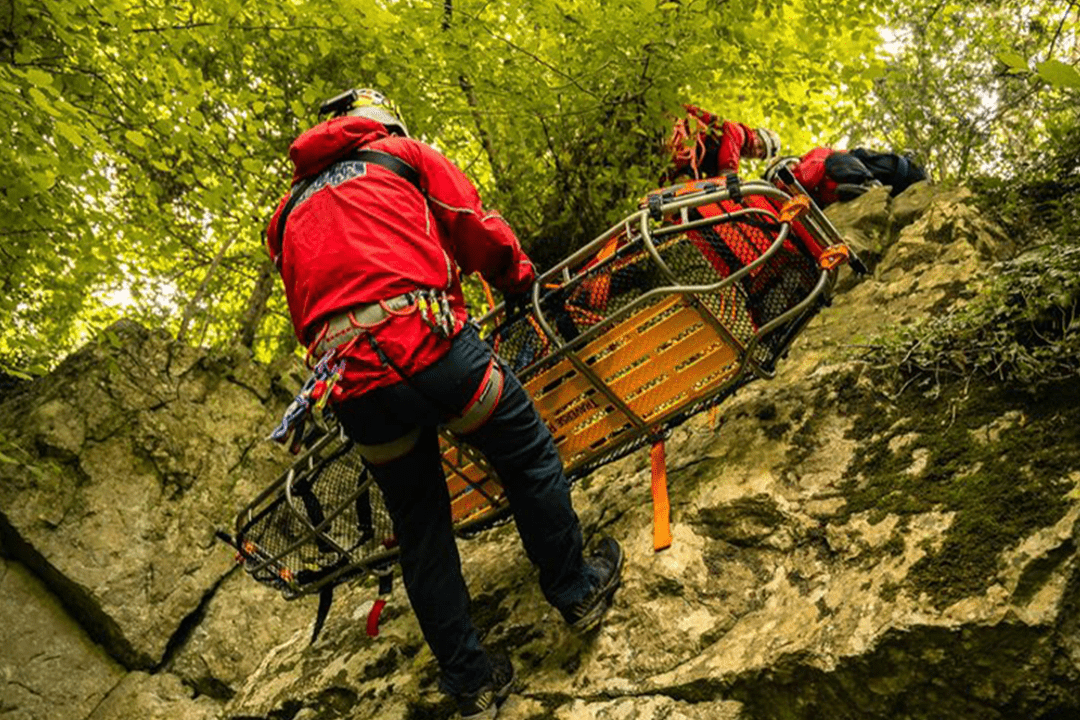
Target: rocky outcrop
[[117, 469], [842, 548]]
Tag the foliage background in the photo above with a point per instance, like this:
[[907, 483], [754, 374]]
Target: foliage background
[[148, 140]]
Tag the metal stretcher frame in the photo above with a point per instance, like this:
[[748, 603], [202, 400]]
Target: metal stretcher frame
[[286, 540], [684, 301]]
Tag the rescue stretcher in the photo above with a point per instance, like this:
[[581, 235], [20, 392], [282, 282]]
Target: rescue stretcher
[[665, 315]]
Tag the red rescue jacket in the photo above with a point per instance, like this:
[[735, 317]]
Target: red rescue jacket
[[704, 145], [810, 172], [368, 234]]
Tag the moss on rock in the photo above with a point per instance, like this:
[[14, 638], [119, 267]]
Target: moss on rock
[[996, 503]]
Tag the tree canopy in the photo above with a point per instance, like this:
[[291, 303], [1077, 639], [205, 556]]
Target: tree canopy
[[149, 139]]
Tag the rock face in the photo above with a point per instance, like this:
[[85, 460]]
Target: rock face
[[117, 468], [841, 549]]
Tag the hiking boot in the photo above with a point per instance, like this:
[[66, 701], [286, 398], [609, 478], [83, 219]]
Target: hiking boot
[[484, 703], [607, 562]]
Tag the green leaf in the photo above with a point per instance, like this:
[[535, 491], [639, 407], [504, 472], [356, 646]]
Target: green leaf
[[136, 138], [41, 101], [873, 72], [44, 180], [1015, 63], [1058, 74], [4, 458], [69, 133], [38, 77]]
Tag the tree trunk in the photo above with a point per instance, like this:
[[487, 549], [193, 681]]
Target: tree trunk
[[193, 306], [256, 306]]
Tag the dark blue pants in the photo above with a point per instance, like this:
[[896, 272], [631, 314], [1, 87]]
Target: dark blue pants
[[519, 447]]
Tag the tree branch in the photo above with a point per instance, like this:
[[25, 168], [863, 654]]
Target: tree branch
[[1057, 33]]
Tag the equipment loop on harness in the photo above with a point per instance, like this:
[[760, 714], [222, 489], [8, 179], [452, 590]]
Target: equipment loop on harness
[[313, 395]]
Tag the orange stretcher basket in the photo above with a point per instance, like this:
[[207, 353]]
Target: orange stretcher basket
[[665, 315]]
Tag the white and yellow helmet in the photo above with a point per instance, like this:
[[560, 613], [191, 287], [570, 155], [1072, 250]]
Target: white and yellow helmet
[[768, 142], [367, 103]]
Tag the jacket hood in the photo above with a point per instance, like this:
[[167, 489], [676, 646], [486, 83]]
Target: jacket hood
[[327, 142]]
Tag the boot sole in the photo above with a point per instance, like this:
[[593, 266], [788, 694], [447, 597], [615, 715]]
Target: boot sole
[[500, 697]]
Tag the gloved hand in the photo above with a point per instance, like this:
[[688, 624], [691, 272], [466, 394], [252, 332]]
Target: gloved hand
[[517, 305]]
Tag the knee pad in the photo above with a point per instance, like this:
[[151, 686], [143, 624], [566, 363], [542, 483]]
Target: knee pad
[[483, 402], [386, 452]]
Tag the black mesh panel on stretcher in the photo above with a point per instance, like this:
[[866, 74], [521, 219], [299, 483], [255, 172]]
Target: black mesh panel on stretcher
[[663, 316]]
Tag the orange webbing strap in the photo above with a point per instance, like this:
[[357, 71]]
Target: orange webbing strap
[[661, 508], [544, 342], [833, 256], [608, 250], [581, 316], [487, 292], [794, 208]]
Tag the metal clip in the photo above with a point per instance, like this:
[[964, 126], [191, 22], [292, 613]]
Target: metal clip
[[446, 315], [435, 311]]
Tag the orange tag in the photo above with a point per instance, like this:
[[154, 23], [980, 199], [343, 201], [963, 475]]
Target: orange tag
[[661, 508]]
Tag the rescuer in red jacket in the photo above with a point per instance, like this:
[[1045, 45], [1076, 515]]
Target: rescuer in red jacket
[[702, 145], [830, 175], [370, 242]]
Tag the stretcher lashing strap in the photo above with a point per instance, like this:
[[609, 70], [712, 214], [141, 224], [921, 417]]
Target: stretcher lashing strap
[[386, 584], [581, 316], [373, 617], [593, 292], [794, 208], [544, 342], [834, 255], [661, 507], [608, 250]]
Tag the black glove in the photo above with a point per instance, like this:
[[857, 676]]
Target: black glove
[[517, 305]]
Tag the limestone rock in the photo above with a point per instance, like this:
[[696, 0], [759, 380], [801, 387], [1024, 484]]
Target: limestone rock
[[241, 621], [140, 696], [872, 222], [131, 453], [865, 223], [49, 668]]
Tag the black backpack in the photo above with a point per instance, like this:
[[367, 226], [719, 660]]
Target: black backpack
[[896, 171]]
